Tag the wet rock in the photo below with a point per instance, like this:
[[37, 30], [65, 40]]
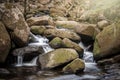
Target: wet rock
[[70, 44], [75, 66], [107, 42], [102, 24], [5, 43], [38, 29], [42, 20], [56, 42], [62, 34], [57, 57], [4, 71], [28, 52], [14, 21]]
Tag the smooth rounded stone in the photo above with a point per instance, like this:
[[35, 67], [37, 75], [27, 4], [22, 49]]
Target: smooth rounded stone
[[56, 43], [14, 21], [5, 43], [67, 24], [42, 20], [38, 29], [87, 29], [62, 33], [107, 42], [102, 24], [75, 66], [70, 44], [57, 57]]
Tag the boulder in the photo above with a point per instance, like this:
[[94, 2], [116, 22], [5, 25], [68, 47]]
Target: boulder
[[38, 29], [107, 42], [5, 43], [62, 33], [56, 42], [67, 24], [44, 1], [102, 24], [42, 20], [70, 44], [75, 66], [87, 29], [16, 24], [57, 57]]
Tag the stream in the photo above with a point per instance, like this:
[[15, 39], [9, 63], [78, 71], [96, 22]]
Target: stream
[[30, 71]]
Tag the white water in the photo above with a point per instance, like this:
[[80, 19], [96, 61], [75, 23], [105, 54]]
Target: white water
[[90, 64], [37, 41]]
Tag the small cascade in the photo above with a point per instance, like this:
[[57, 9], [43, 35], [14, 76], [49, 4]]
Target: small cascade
[[36, 41], [90, 64]]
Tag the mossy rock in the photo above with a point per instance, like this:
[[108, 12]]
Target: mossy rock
[[57, 57], [38, 29], [56, 42], [75, 66], [70, 44], [107, 42]]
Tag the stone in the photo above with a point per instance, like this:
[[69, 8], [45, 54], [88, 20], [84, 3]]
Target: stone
[[87, 29], [16, 24], [75, 66], [62, 34], [57, 58], [56, 43], [107, 42], [38, 29], [70, 44], [42, 20], [44, 1], [5, 43], [67, 24], [102, 24]]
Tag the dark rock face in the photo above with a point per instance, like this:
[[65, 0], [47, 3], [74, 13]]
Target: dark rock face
[[14, 21], [5, 43]]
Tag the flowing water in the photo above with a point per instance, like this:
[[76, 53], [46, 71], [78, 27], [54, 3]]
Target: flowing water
[[29, 71]]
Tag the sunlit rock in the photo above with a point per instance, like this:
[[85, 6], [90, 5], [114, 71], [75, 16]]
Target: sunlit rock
[[57, 57]]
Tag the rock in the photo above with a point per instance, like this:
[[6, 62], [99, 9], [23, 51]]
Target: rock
[[38, 29], [5, 43], [107, 42], [16, 24], [29, 52], [67, 24], [102, 24], [44, 1], [62, 34], [42, 20], [56, 42], [57, 57], [87, 29], [75, 66], [70, 44]]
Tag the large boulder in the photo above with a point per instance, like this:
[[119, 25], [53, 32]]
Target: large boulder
[[107, 42], [42, 20], [38, 29], [70, 44], [5, 43], [62, 34], [14, 21], [57, 57], [56, 43], [75, 66]]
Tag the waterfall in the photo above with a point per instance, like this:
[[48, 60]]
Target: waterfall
[[36, 41], [90, 64]]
